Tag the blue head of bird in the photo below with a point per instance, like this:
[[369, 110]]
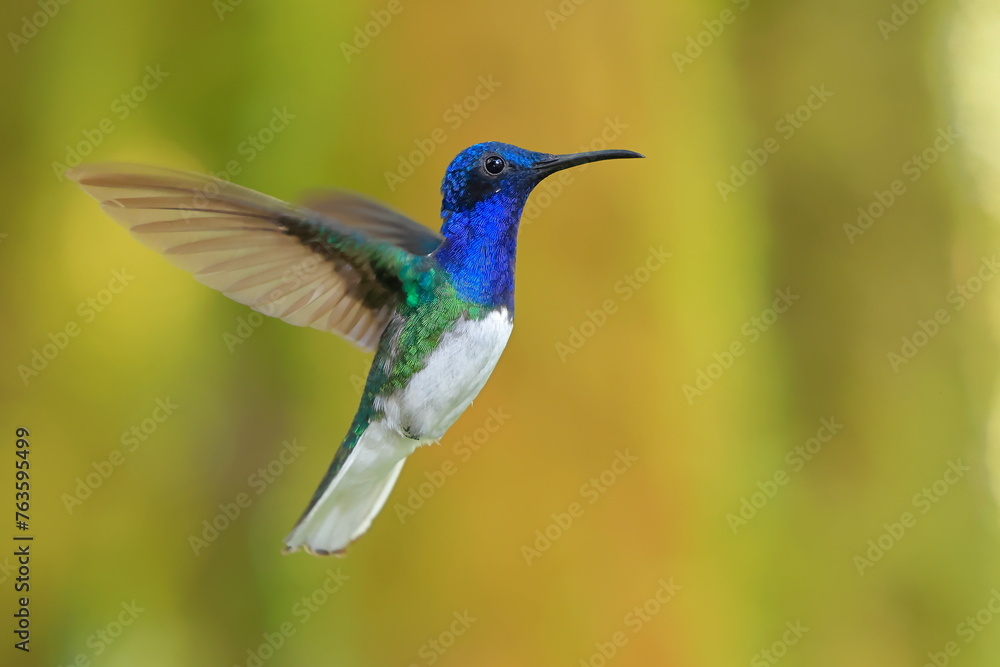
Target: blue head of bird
[[484, 193]]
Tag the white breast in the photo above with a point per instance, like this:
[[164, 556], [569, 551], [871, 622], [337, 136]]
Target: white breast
[[455, 372]]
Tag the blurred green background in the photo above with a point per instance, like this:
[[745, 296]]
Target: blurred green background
[[804, 389]]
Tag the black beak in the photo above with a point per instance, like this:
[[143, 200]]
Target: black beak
[[556, 163]]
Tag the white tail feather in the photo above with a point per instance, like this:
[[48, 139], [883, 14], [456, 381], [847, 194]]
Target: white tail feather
[[351, 501]]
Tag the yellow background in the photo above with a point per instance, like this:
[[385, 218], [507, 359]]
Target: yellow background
[[564, 72]]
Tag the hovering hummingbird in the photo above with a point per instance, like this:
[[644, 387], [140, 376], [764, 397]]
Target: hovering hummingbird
[[436, 308]]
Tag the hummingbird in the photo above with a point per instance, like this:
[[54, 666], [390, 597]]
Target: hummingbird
[[437, 309]]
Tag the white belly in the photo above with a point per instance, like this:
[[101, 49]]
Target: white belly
[[455, 372]]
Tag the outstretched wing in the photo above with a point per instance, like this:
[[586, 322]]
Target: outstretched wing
[[285, 261]]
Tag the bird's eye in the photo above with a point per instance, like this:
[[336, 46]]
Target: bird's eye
[[494, 164]]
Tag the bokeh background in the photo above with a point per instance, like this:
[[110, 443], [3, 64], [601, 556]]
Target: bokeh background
[[772, 130]]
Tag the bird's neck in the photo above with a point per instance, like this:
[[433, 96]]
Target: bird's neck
[[479, 251]]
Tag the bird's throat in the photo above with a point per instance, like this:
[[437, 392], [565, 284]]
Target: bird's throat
[[479, 251]]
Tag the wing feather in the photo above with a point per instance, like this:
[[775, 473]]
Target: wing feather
[[335, 270], [375, 220]]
